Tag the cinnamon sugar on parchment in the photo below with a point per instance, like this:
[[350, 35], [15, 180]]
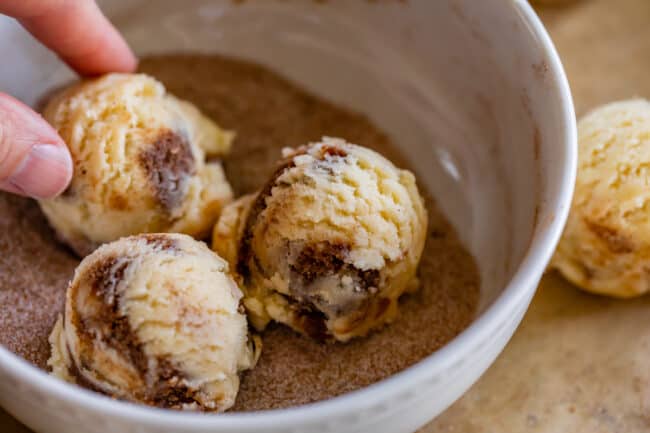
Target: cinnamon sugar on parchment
[[268, 113]]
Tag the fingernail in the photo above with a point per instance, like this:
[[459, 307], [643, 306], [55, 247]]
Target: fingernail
[[45, 172]]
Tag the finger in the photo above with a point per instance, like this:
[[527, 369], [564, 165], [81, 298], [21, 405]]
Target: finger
[[34, 161], [77, 31]]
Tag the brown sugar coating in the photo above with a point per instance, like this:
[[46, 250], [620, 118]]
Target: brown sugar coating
[[168, 163], [268, 113]]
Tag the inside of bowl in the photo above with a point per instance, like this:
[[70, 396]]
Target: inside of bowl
[[447, 80]]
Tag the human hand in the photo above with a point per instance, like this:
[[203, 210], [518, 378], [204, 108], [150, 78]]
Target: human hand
[[34, 160]]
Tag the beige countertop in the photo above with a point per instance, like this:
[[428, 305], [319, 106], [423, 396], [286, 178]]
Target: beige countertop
[[579, 363]]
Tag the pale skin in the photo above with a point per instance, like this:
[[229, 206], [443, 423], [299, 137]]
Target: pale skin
[[34, 160]]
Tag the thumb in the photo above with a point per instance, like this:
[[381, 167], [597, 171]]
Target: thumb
[[34, 160]]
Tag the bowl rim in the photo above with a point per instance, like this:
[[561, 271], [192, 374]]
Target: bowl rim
[[522, 284]]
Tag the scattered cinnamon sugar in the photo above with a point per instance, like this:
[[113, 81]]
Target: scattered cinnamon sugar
[[268, 113], [34, 272]]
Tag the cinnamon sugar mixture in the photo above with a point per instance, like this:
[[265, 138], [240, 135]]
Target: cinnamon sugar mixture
[[268, 113]]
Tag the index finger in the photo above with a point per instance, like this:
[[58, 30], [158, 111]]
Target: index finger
[[77, 31]]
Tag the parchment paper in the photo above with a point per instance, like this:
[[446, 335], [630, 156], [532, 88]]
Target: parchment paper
[[579, 363]]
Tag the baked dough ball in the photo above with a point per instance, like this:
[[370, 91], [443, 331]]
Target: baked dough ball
[[329, 244], [605, 247], [139, 162], [155, 319]]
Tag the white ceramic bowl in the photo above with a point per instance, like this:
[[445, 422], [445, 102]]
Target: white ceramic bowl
[[474, 92]]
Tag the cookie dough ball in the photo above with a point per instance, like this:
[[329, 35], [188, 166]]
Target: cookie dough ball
[[155, 319], [329, 244], [139, 162], [605, 247]]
